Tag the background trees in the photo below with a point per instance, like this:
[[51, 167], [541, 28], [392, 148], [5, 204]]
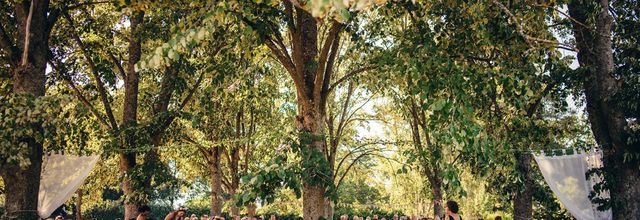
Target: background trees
[[356, 103]]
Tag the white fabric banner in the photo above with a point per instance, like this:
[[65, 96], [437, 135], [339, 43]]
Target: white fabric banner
[[566, 176], [61, 176]]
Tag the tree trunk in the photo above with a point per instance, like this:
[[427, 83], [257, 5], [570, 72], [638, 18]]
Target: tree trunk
[[313, 200], [608, 122], [216, 182], [22, 184], [235, 179], [436, 190], [79, 205], [251, 210], [129, 117], [310, 118], [162, 121], [522, 203]]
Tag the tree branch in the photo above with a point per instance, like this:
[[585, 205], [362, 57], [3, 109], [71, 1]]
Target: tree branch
[[351, 74], [27, 36], [329, 43], [76, 6], [92, 66], [351, 165], [521, 30], [116, 62], [7, 45], [79, 95], [341, 121]]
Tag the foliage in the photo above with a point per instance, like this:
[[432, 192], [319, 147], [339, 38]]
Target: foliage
[[63, 126]]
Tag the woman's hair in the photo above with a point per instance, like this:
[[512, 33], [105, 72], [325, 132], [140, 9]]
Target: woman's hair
[[143, 208], [453, 206]]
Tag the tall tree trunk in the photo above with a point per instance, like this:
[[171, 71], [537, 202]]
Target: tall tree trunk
[[161, 123], [313, 193], [311, 72], [310, 118], [129, 116], [522, 203], [608, 122], [28, 69], [235, 179], [436, 190], [79, 205], [216, 181], [431, 171]]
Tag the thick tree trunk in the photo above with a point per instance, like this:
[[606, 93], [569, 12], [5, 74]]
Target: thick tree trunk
[[608, 122], [313, 199], [163, 120], [216, 181], [22, 184], [522, 203], [310, 118], [129, 116]]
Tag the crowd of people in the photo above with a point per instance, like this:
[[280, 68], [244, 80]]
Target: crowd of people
[[451, 213], [450, 209]]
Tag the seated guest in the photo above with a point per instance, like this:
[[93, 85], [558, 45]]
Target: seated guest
[[143, 212]]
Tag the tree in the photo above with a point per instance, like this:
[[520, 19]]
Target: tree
[[611, 122], [24, 39], [312, 70]]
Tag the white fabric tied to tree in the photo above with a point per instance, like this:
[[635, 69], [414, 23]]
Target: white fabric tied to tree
[[61, 176], [566, 176]]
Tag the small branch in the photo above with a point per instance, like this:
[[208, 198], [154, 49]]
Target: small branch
[[27, 36], [351, 165], [7, 45], [116, 62], [80, 96], [565, 14], [92, 66], [351, 74], [76, 6], [521, 30]]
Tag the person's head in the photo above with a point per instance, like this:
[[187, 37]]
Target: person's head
[[144, 210], [205, 217], [395, 217], [59, 217], [181, 211], [368, 218], [221, 217], [272, 217], [375, 217], [451, 207], [498, 217], [383, 218]]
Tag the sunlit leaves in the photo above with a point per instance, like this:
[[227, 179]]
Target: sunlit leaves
[[63, 126]]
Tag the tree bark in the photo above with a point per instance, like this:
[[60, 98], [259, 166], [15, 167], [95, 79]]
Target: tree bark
[[311, 73], [608, 123], [129, 117], [216, 181], [79, 205], [522, 203], [28, 69]]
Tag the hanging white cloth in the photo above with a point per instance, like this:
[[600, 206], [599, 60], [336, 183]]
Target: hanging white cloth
[[566, 176], [61, 176]]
